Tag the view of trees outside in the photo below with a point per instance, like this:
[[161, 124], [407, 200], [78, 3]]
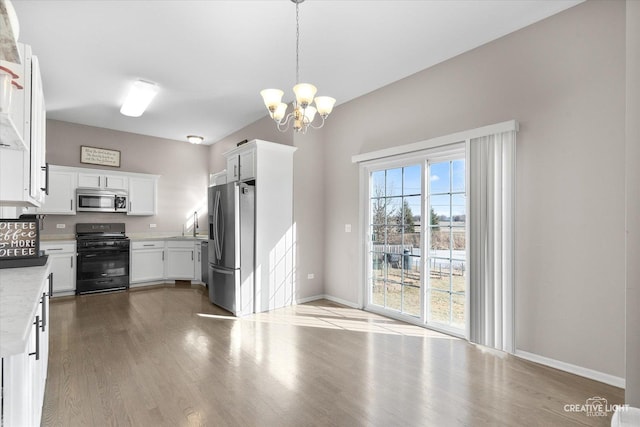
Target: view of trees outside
[[396, 207], [395, 251]]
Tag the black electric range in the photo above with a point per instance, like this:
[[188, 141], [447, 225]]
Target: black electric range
[[103, 257]]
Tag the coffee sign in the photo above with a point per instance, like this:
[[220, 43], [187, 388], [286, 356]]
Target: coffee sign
[[19, 238]]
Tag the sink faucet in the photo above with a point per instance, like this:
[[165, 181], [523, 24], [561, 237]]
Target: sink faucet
[[195, 222]]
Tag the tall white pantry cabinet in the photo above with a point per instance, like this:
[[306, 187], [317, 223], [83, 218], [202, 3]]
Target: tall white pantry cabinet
[[270, 165]]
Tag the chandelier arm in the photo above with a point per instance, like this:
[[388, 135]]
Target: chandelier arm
[[285, 123], [321, 123]]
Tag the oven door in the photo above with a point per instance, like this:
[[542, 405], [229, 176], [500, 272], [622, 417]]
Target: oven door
[[102, 269]]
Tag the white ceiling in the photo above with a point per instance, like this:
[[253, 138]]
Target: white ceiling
[[211, 58]]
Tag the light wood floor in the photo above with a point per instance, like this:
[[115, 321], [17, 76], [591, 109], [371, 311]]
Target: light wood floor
[[166, 357]]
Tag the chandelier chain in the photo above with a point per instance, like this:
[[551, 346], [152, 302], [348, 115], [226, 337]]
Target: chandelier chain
[[297, 43]]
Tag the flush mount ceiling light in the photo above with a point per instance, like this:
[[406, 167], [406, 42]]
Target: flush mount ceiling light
[[140, 95], [303, 113], [195, 139]]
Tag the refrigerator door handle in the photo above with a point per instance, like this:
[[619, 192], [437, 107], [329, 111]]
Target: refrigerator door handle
[[227, 272], [219, 227], [216, 236]]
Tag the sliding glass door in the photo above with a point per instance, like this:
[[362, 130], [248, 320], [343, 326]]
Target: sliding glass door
[[446, 261], [412, 205]]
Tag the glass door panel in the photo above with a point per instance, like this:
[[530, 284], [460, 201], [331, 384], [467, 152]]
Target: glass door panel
[[447, 244], [395, 208]]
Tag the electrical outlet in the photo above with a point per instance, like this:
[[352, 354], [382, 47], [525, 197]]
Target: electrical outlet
[[347, 228], [311, 276], [152, 226], [61, 226]]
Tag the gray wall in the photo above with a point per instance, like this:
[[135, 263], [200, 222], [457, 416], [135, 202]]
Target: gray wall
[[182, 168], [632, 392], [563, 79]]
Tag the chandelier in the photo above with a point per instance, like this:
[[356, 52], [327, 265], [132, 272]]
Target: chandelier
[[303, 113]]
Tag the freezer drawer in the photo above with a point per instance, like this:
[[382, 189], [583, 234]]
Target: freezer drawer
[[228, 291]]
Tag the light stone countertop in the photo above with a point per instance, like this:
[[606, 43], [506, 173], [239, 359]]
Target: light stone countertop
[[20, 293], [142, 237]]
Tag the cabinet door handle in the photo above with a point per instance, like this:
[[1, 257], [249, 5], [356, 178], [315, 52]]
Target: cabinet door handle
[[71, 258], [45, 168], [99, 181], [71, 204], [106, 184], [162, 255], [43, 301], [54, 249], [130, 206], [51, 283], [152, 245], [198, 256], [37, 352], [235, 171], [191, 255]]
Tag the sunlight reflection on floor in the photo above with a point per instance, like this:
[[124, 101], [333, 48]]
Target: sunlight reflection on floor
[[334, 317]]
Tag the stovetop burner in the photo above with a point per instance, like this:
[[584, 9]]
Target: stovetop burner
[[109, 230]]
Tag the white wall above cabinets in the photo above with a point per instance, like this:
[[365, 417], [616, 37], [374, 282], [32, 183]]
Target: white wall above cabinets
[[64, 180], [22, 137]]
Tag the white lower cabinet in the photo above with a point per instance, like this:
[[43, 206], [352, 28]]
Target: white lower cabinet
[[63, 266], [24, 375], [180, 260], [147, 261], [171, 259]]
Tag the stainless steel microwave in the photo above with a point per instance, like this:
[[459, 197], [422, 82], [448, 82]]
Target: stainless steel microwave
[[93, 200]]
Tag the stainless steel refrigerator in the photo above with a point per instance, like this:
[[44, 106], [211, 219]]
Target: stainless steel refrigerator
[[231, 247]]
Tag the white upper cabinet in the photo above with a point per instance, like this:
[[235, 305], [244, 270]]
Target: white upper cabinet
[[102, 181], [241, 164], [62, 191], [143, 195], [22, 137]]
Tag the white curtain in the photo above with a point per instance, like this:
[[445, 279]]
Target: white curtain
[[491, 165]]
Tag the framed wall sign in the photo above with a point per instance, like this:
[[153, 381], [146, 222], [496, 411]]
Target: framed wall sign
[[19, 238], [99, 156]]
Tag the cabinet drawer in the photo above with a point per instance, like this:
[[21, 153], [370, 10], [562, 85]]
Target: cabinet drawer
[[180, 244], [147, 244], [52, 248]]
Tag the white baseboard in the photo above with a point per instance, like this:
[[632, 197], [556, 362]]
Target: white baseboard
[[573, 369], [330, 298], [309, 299]]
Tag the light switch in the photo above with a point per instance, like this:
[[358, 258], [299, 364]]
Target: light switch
[[61, 226], [152, 226], [347, 228]]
